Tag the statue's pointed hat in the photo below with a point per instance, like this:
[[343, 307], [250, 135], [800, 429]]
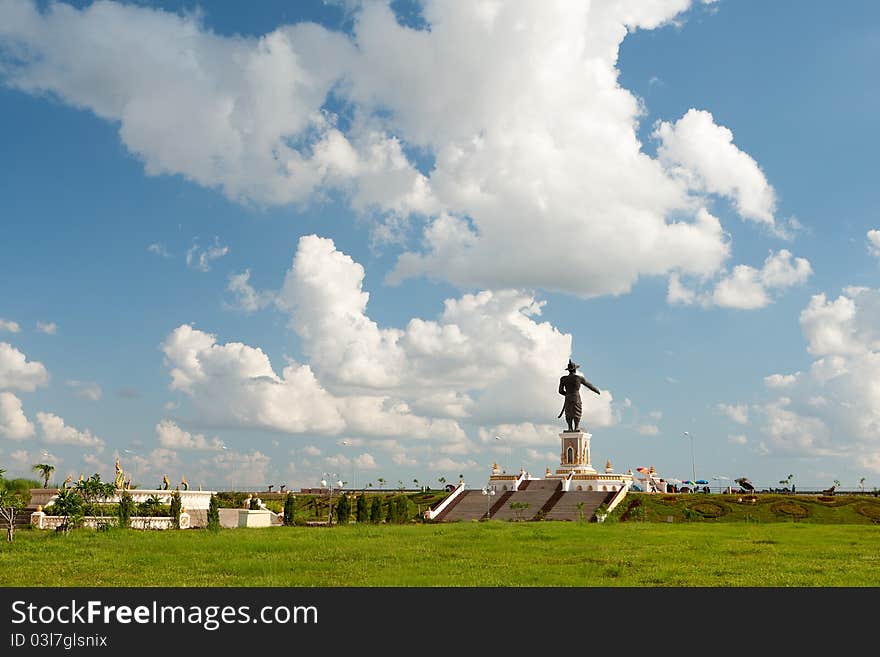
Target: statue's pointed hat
[[572, 366]]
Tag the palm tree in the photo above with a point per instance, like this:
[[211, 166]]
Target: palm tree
[[862, 485], [381, 481], [45, 471]]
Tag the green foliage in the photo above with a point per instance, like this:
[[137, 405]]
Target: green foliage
[[761, 507], [519, 508], [289, 510], [94, 492], [274, 505], [125, 509], [231, 500], [12, 502], [70, 505], [688, 513], [175, 507], [405, 508], [45, 471], [153, 507], [376, 510], [214, 513], [362, 513], [391, 515], [21, 483], [343, 510]]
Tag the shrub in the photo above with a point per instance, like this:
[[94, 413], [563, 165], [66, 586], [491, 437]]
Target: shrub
[[405, 508], [153, 507], [214, 513], [70, 506], [343, 510], [635, 511], [362, 513], [12, 502], [125, 509], [174, 508], [289, 510], [376, 510], [689, 514], [392, 516]]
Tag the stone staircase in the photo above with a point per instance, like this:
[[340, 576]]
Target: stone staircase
[[534, 496], [566, 508], [500, 503], [544, 498], [23, 519], [470, 505]]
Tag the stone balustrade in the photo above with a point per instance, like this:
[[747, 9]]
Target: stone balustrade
[[39, 520]]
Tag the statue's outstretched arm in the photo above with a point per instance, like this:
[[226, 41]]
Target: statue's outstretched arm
[[591, 386]]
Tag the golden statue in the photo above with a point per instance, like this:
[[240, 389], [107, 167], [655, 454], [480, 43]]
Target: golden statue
[[67, 481], [184, 484], [120, 476], [165, 483]]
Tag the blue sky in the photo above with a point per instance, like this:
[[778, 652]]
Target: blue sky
[[196, 201]]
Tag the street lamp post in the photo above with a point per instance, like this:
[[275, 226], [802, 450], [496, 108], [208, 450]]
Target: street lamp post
[[348, 443], [693, 463], [325, 483], [488, 492], [506, 449]]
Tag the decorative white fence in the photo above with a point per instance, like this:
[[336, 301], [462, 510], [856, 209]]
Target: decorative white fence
[[40, 520]]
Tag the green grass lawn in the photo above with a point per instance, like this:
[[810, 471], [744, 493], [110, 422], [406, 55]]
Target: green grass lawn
[[505, 554]]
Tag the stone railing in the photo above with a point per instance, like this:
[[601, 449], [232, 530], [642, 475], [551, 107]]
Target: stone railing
[[430, 514], [40, 520]]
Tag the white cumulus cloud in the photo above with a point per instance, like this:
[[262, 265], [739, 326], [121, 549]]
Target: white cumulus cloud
[[739, 413], [873, 237], [56, 431], [173, 437], [17, 373], [746, 287], [13, 422], [532, 142], [703, 153]]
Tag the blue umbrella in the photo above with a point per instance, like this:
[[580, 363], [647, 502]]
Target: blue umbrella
[[702, 482]]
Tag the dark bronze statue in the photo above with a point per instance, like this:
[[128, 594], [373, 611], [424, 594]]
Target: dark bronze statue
[[569, 386]]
